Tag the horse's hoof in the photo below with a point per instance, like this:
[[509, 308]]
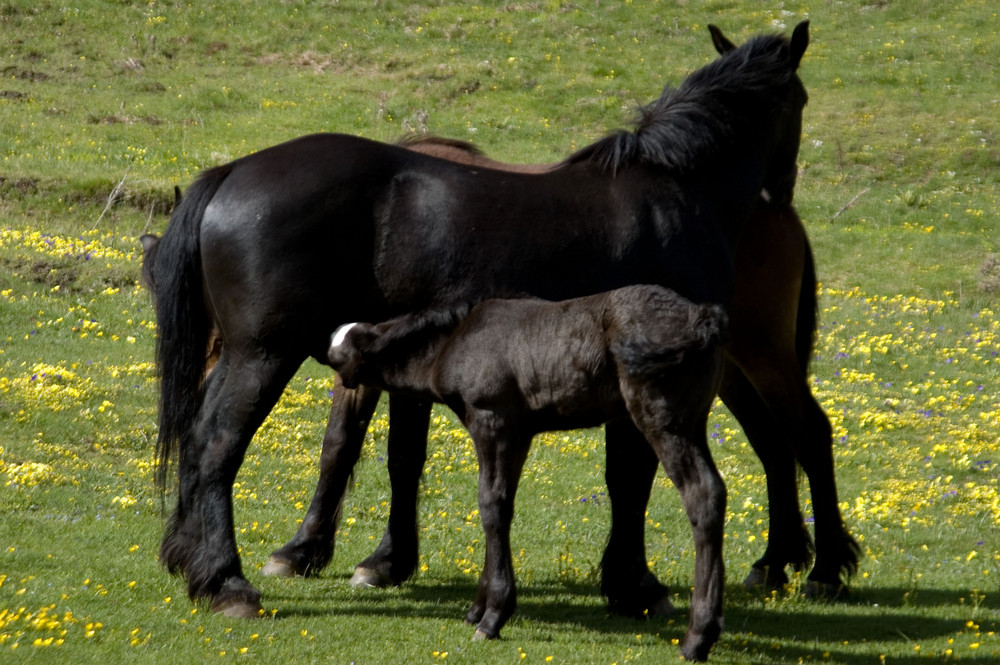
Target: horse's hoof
[[239, 609], [481, 635], [366, 578], [824, 590], [279, 568], [762, 578], [662, 608]]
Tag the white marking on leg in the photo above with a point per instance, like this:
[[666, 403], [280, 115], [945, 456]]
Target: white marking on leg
[[339, 335], [766, 195]]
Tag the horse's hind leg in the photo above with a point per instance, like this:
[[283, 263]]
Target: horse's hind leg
[[395, 559], [626, 581], [836, 550], [311, 548], [183, 532], [807, 428], [680, 444], [788, 540], [249, 389]]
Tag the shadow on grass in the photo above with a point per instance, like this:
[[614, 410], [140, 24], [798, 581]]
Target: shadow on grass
[[787, 627]]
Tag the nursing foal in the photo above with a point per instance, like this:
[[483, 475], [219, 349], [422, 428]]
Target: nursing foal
[[513, 368]]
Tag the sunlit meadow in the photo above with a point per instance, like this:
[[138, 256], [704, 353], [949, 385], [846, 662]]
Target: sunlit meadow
[[106, 106]]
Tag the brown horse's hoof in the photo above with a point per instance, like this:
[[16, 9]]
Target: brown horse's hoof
[[824, 590], [280, 568], [761, 578], [366, 578], [239, 609]]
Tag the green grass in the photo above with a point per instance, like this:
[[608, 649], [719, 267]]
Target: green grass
[[898, 188]]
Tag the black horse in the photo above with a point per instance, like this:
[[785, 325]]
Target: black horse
[[513, 368], [280, 247], [772, 325]]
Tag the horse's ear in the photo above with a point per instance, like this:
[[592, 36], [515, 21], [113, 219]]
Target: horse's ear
[[720, 41], [800, 40], [177, 196]]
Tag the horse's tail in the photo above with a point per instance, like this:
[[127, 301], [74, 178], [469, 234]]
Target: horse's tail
[[807, 317], [183, 321]]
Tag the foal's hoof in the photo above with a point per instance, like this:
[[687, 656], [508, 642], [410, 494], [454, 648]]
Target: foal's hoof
[[366, 578], [825, 590], [239, 609], [280, 568], [765, 578]]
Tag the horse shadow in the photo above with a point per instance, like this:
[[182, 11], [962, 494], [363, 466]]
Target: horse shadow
[[803, 628]]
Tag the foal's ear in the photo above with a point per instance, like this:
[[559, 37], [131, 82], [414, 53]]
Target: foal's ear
[[722, 44], [800, 40], [149, 242]]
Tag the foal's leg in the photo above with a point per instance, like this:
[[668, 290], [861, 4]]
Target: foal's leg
[[626, 581], [249, 389], [501, 459], [683, 450], [311, 548], [395, 559]]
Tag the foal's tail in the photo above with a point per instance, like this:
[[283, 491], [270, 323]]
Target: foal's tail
[[698, 329], [807, 317], [182, 317]]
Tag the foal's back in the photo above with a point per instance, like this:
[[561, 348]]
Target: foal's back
[[563, 363]]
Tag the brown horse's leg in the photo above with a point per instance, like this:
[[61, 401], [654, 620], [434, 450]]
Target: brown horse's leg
[[395, 559], [774, 284], [809, 431], [626, 581], [788, 541], [311, 548]]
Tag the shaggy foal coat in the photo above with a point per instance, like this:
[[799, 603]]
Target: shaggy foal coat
[[513, 368]]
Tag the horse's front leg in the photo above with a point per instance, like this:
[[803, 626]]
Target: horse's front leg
[[788, 543], [226, 423], [311, 548], [626, 581], [395, 559], [501, 459]]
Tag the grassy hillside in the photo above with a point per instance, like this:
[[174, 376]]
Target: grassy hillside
[[106, 105]]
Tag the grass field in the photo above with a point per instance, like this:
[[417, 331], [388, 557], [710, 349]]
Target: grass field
[[106, 105]]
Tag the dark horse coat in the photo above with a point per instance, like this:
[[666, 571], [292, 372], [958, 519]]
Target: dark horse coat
[[513, 368]]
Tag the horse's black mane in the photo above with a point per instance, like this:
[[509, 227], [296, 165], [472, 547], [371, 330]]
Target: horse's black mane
[[695, 119]]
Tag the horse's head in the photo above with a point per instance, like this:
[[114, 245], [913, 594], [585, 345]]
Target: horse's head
[[773, 62], [347, 347]]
